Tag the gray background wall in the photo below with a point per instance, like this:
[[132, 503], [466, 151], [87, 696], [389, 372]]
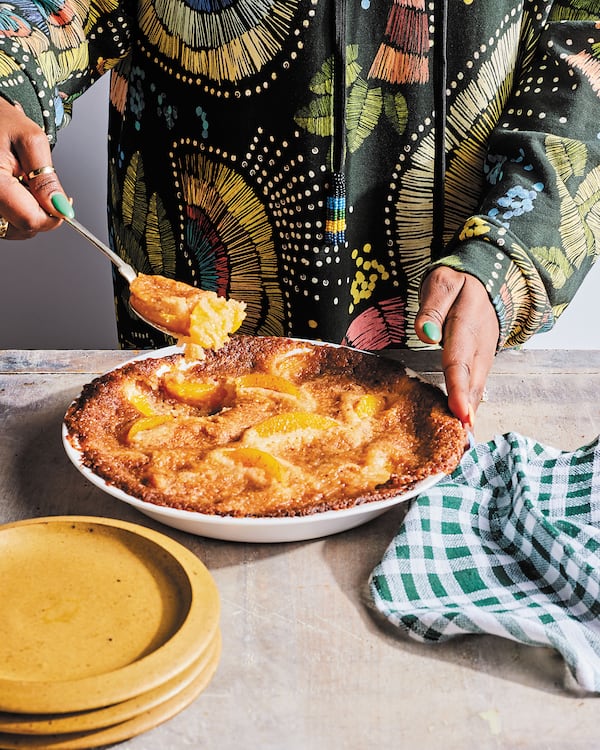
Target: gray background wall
[[56, 290]]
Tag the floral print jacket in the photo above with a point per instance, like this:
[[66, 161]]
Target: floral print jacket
[[315, 157]]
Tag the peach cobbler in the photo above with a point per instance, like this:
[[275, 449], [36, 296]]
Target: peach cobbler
[[197, 318], [264, 427]]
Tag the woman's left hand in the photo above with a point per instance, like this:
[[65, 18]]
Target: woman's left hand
[[456, 311]]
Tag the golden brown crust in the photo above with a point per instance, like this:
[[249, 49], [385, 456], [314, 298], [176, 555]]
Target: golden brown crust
[[264, 427], [166, 302]]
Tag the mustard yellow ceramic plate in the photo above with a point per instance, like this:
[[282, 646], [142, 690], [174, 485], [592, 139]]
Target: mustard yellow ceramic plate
[[100, 718], [96, 611], [119, 732]]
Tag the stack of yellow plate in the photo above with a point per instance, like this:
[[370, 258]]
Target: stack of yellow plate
[[107, 629]]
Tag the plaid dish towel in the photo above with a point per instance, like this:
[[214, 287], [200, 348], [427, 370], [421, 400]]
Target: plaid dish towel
[[508, 545]]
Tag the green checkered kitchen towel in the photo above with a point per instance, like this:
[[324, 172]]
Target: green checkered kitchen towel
[[508, 545]]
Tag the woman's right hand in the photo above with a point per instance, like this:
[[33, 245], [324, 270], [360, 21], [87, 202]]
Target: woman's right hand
[[26, 199]]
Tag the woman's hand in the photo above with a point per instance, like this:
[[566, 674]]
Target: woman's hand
[[30, 191], [456, 311]]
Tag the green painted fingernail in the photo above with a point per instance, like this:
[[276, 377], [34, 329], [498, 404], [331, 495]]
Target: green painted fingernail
[[62, 205], [432, 331]]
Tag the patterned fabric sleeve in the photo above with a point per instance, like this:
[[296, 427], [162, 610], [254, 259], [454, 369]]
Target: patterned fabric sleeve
[[51, 52], [537, 233]]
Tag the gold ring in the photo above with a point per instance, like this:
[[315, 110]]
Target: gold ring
[[38, 172], [3, 227]]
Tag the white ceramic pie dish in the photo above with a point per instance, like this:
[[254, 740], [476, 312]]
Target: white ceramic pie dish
[[235, 529]]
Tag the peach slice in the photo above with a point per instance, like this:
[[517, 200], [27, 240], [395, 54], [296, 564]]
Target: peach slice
[[146, 423], [289, 421], [254, 457], [369, 405], [196, 393], [141, 403], [268, 382]]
